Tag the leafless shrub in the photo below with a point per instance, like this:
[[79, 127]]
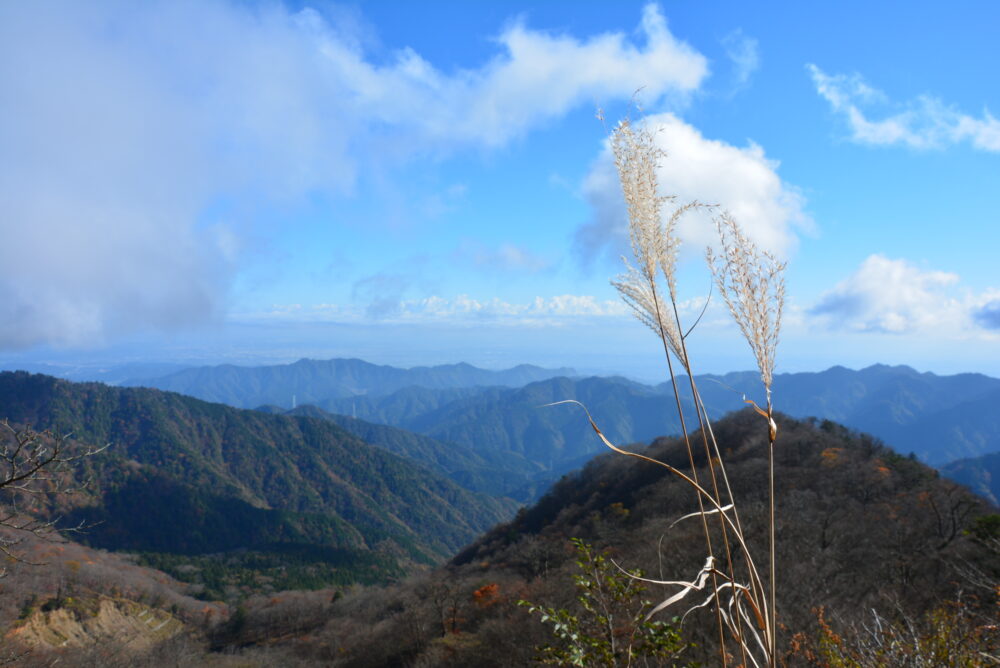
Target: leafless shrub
[[34, 466]]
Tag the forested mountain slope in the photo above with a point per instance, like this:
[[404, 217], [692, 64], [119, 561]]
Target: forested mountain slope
[[860, 529], [183, 476], [489, 471]]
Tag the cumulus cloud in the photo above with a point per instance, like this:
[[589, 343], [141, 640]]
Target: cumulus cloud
[[135, 127], [537, 75], [895, 297], [742, 180], [923, 123]]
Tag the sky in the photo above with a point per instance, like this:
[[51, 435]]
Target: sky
[[207, 181]]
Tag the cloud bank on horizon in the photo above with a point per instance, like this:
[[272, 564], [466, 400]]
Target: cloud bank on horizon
[[895, 297]]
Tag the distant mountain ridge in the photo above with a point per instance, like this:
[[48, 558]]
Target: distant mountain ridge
[[980, 474], [939, 418], [314, 381]]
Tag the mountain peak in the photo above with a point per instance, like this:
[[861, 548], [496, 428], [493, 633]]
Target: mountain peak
[[902, 368]]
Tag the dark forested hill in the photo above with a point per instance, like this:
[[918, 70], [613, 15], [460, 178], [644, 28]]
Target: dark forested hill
[[513, 427], [315, 381], [553, 436], [186, 476], [861, 530], [489, 471]]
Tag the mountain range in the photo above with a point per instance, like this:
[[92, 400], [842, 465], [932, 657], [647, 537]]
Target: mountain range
[[313, 381], [410, 474], [939, 418], [238, 502]]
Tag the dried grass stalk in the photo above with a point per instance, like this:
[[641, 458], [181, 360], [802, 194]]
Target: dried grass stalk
[[751, 282]]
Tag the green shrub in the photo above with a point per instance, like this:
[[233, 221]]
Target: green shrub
[[610, 626]]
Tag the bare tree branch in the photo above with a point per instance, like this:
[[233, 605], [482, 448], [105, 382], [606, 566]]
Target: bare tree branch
[[34, 464]]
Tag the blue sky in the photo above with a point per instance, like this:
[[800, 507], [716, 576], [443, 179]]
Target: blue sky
[[428, 182]]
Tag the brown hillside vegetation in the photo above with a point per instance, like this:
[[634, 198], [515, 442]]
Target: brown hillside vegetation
[[862, 531], [62, 601]]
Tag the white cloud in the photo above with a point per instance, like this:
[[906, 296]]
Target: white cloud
[[137, 126], [462, 309], [540, 310], [744, 52], [537, 76], [741, 180], [924, 123], [895, 297], [382, 293], [506, 257]]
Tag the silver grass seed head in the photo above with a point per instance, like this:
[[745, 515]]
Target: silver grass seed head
[[638, 293], [752, 283], [654, 242], [637, 157]]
